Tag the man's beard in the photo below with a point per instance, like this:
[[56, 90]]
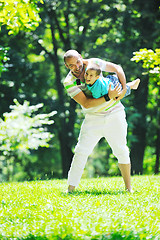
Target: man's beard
[[78, 72]]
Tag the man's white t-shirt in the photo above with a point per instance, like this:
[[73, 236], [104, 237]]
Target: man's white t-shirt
[[73, 89]]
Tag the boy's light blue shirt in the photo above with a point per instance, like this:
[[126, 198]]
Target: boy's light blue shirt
[[100, 87]]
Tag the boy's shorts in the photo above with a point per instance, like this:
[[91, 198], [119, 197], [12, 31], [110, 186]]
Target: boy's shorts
[[114, 79]]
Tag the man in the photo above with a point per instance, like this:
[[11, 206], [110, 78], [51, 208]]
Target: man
[[104, 117]]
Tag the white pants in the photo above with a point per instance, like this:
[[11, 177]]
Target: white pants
[[113, 127]]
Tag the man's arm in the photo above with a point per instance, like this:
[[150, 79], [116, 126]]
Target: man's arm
[[111, 67], [88, 102]]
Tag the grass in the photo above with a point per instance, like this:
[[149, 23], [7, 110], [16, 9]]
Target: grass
[[100, 209]]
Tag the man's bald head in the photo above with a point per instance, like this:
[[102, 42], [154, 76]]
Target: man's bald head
[[71, 53]]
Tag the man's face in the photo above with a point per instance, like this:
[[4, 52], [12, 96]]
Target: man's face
[[75, 64]]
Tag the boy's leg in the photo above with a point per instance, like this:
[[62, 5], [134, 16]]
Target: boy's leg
[[134, 84], [128, 92], [115, 81], [130, 85]]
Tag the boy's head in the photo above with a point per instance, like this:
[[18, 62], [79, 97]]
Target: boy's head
[[92, 73]]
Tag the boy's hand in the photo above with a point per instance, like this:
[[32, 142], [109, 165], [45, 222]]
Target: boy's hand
[[114, 93]]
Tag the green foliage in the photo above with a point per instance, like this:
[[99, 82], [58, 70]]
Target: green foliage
[[19, 15], [149, 160], [3, 58], [22, 129], [111, 30], [151, 62], [99, 210]]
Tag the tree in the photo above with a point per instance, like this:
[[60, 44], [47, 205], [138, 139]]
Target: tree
[[111, 31], [17, 16], [23, 130], [67, 30], [3, 59], [97, 30], [151, 64], [143, 32]]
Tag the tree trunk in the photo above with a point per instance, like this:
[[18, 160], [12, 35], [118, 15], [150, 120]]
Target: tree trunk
[[157, 152], [66, 154], [157, 144], [138, 147], [65, 145]]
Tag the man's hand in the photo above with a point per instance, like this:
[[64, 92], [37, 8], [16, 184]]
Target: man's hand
[[121, 94], [114, 93]]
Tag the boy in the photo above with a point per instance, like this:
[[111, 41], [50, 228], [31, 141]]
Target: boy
[[99, 85]]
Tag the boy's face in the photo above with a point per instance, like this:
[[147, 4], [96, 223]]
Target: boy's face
[[90, 76]]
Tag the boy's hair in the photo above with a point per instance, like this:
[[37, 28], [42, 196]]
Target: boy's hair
[[71, 53], [95, 67]]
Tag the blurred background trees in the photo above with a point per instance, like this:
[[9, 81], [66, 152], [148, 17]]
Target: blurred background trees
[[151, 64], [22, 130], [111, 30]]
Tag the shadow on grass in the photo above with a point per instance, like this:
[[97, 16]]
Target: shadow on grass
[[109, 236], [96, 192]]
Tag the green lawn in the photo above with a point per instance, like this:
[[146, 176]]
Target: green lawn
[[100, 209]]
